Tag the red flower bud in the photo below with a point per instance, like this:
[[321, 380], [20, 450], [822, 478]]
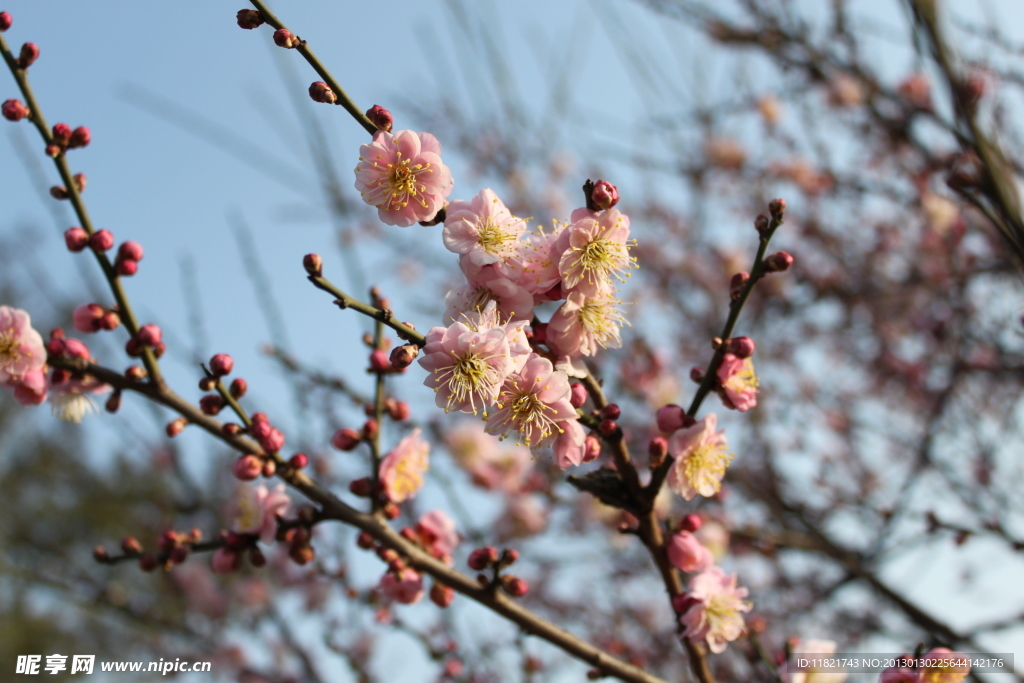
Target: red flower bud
[[269, 468], [578, 396], [99, 553], [5, 21], [130, 251], [608, 427], [777, 207], [59, 192], [591, 448], [221, 364], [605, 195], [29, 54], [150, 334], [110, 321], [62, 134], [370, 429], [741, 347], [80, 137], [690, 523], [403, 356], [211, 404], [611, 412], [379, 361], [247, 467], [361, 487], [14, 110], [313, 264], [113, 403], [670, 418], [299, 460], [249, 19], [346, 439], [737, 283], [441, 595], [147, 563], [101, 240], [482, 558], [80, 182], [76, 239], [380, 117], [778, 262], [238, 387], [761, 224], [175, 427], [514, 586], [321, 92], [126, 267], [399, 411], [364, 540], [657, 449], [130, 545], [286, 39]]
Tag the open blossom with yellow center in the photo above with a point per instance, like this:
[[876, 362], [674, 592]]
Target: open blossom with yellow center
[[597, 253], [402, 175], [467, 368], [739, 383], [21, 347], [533, 403], [401, 470], [701, 459], [584, 324], [482, 230], [715, 615]]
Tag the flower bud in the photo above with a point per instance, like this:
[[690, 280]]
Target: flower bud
[[249, 19], [149, 334], [76, 239], [211, 404], [221, 364], [696, 374], [379, 361], [286, 39], [99, 553], [86, 318], [101, 240], [62, 134], [364, 540], [657, 449], [514, 586], [256, 557], [130, 545], [777, 207], [399, 411], [175, 427], [130, 251], [361, 487], [391, 511], [5, 21], [29, 54], [298, 461], [737, 283], [59, 192], [403, 356], [591, 448], [441, 595], [611, 412], [247, 467], [690, 523], [135, 372], [126, 267], [231, 429], [273, 441], [52, 151], [778, 262], [14, 110], [608, 427], [762, 224], [605, 195], [313, 264], [269, 468], [110, 321], [80, 182], [578, 395], [260, 426], [81, 137], [370, 429], [321, 92], [670, 418], [741, 347], [482, 558], [113, 403], [380, 117], [238, 387]]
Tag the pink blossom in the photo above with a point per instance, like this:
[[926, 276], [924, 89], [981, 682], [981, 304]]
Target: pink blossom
[[687, 554], [86, 318], [21, 347], [467, 367], [225, 561], [523, 516], [30, 388], [539, 255], [402, 175], [942, 665], [491, 467], [570, 447], [715, 615], [739, 383], [584, 324], [484, 285], [255, 510], [700, 459], [404, 586], [515, 332], [533, 403], [401, 470], [482, 229], [597, 253], [436, 532]]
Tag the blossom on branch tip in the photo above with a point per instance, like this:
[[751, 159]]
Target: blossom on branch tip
[[321, 92], [715, 612], [5, 21], [401, 471], [435, 531], [482, 229], [597, 253], [402, 175], [404, 585], [605, 195], [380, 117], [700, 459], [249, 19], [286, 39], [76, 239], [739, 383], [28, 56]]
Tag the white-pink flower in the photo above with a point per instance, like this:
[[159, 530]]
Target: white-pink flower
[[515, 331], [584, 324], [402, 175], [700, 459], [404, 586], [21, 347], [70, 398], [739, 383], [467, 368], [597, 253], [539, 255], [436, 532], [401, 470], [482, 229], [255, 510], [569, 447], [30, 388], [533, 403], [484, 285], [715, 614], [687, 554]]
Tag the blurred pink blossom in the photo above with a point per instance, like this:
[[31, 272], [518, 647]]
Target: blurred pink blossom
[[401, 470]]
